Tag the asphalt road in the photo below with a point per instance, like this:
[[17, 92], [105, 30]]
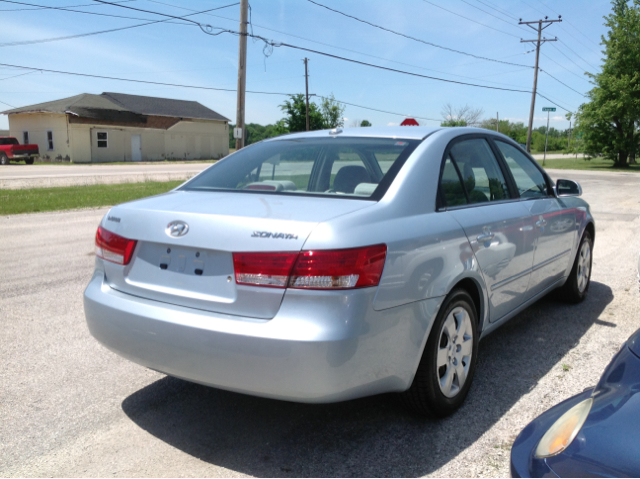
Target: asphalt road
[[69, 407]]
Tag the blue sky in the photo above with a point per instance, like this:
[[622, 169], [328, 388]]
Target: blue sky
[[183, 54]]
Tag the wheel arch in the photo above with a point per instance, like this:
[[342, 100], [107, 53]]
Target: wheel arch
[[591, 228], [471, 286]]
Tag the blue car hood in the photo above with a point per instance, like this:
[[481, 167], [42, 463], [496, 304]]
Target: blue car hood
[[634, 343], [608, 443]]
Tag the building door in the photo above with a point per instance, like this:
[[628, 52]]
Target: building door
[[136, 148]]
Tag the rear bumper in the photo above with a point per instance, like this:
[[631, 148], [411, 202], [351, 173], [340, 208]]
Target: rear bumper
[[320, 347], [20, 156]]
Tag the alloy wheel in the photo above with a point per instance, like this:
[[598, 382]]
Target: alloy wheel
[[455, 349]]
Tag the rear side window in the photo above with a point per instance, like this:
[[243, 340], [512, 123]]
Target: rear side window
[[451, 186], [8, 141], [332, 167], [529, 180], [481, 175]]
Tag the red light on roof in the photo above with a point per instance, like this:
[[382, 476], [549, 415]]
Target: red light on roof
[[409, 122]]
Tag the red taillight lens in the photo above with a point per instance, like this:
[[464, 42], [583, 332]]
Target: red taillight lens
[[113, 247], [264, 269], [339, 269], [318, 269]]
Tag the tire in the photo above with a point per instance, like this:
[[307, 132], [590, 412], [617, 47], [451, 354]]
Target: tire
[[436, 390], [577, 285], [28, 161], [3, 159]]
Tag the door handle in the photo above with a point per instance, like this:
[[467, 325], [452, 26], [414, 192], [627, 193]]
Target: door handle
[[484, 237]]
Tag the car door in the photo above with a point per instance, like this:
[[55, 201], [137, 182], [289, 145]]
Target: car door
[[474, 191], [555, 226]]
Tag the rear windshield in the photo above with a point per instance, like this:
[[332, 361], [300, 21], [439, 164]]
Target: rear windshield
[[8, 141], [333, 167]]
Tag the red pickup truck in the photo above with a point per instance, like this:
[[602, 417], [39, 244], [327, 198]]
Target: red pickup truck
[[11, 150]]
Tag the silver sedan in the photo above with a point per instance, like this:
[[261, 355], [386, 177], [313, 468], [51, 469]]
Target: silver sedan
[[330, 265]]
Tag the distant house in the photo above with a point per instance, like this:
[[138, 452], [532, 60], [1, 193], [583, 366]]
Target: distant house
[[89, 128]]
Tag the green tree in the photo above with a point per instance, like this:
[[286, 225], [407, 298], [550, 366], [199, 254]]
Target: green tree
[[365, 123], [608, 124], [332, 113], [453, 123], [296, 109]]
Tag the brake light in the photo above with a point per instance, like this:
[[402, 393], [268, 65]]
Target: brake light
[[113, 247], [263, 269], [316, 269]]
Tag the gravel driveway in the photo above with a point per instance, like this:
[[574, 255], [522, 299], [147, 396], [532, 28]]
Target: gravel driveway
[[69, 407]]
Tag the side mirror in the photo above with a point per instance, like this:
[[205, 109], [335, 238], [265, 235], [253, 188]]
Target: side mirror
[[568, 188]]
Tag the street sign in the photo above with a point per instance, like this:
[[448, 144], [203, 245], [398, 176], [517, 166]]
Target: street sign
[[548, 108], [237, 133]]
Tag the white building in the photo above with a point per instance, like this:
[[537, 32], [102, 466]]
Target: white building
[[89, 128]]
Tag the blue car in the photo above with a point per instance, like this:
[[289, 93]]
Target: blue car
[[595, 433]]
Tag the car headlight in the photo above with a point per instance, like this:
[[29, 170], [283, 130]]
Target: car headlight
[[564, 430]]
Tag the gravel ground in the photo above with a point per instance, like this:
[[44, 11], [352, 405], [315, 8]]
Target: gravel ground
[[69, 407]]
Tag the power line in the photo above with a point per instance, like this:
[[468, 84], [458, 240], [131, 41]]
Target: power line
[[5, 103], [19, 75], [556, 104], [410, 37], [571, 25], [563, 67], [469, 19], [272, 44], [66, 6], [347, 49], [191, 86], [484, 11], [547, 73], [569, 48], [67, 9], [395, 70], [499, 10], [376, 109], [80, 35], [568, 58], [104, 77]]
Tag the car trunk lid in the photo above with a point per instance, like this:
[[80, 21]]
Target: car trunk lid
[[195, 269]]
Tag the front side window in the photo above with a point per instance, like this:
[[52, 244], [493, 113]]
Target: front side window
[[481, 175], [336, 167], [102, 139], [25, 137], [529, 180], [50, 139]]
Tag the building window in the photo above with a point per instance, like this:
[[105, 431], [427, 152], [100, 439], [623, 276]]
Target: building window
[[102, 139], [25, 137], [50, 139]]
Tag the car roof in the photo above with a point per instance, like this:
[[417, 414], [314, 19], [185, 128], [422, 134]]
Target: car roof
[[406, 132]]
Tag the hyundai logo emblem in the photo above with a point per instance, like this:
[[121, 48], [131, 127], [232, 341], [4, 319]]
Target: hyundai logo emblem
[[177, 229]]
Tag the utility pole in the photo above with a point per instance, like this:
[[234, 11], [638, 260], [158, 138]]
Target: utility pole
[[498, 122], [538, 42], [239, 133], [306, 86], [569, 139]]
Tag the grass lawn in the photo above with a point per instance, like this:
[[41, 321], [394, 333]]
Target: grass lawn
[[65, 198], [595, 164], [159, 162]]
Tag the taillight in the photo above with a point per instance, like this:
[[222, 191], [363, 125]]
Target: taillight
[[113, 247], [263, 269], [315, 269]]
